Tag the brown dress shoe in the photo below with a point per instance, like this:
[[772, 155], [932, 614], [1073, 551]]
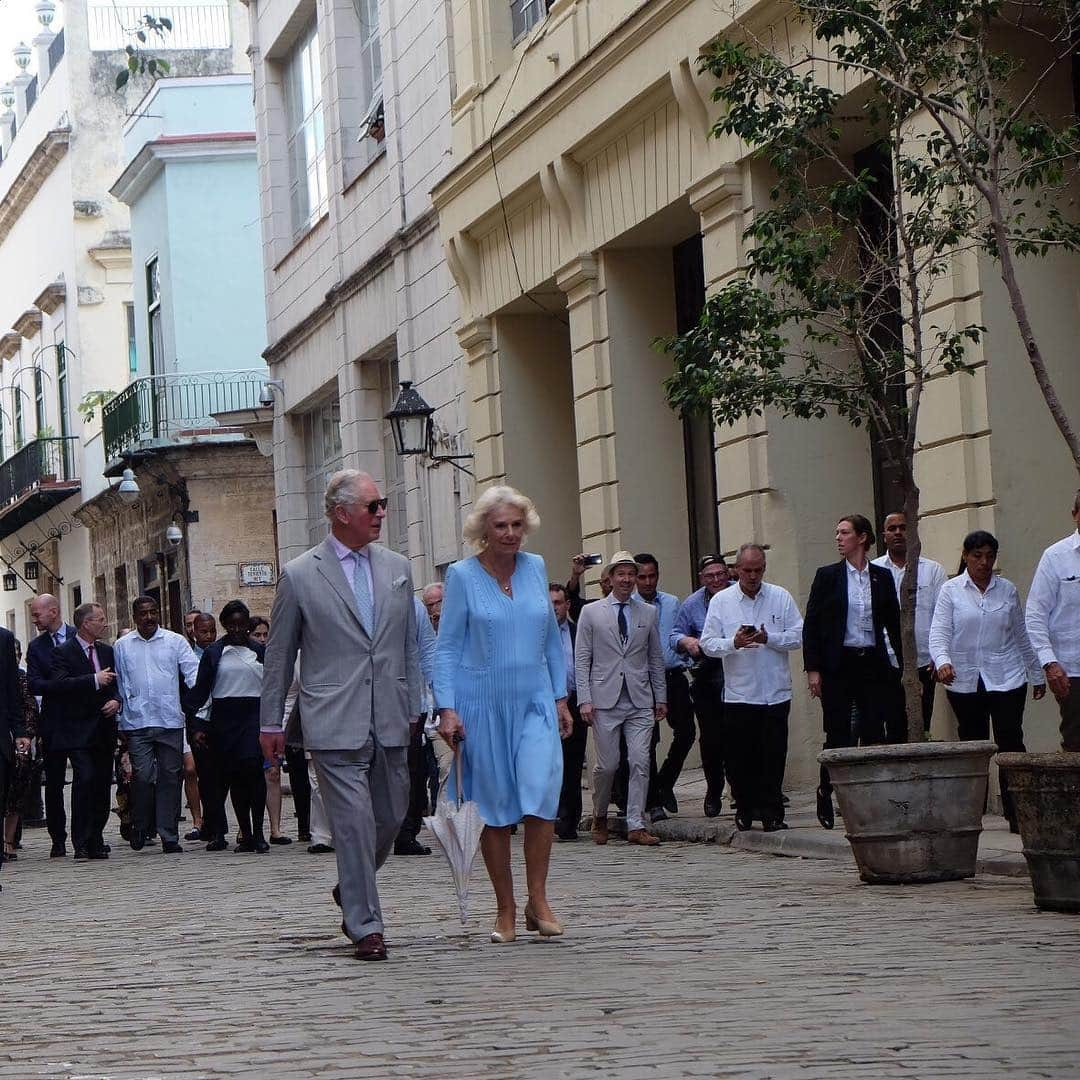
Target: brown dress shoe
[[640, 836], [599, 830], [371, 947]]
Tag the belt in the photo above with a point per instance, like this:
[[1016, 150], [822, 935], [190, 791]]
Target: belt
[[861, 650]]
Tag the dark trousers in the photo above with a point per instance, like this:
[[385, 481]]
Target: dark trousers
[[757, 737], [929, 685], [103, 749], [245, 780], [680, 718], [56, 762], [418, 796], [208, 769], [1005, 710], [1070, 717], [707, 694], [870, 685], [6, 769], [300, 786], [83, 812], [573, 749]]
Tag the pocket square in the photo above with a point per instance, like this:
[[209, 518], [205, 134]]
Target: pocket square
[[399, 581]]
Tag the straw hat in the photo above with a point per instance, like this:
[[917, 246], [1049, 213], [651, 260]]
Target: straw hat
[[618, 559]]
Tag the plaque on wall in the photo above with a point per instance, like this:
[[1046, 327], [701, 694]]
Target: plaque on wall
[[256, 573]]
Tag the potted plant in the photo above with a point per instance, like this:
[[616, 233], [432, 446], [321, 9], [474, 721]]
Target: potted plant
[[839, 310]]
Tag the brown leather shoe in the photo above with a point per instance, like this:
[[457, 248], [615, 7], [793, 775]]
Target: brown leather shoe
[[640, 836], [599, 830], [371, 947]]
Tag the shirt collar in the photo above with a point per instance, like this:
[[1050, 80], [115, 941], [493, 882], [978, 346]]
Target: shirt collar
[[1076, 539], [343, 552], [851, 569], [994, 579], [83, 642], [157, 635]]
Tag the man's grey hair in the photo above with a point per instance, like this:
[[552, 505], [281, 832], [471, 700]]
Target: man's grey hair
[[430, 587], [749, 547], [343, 489], [83, 612]]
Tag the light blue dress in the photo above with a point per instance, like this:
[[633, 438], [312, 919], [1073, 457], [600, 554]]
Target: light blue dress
[[499, 663]]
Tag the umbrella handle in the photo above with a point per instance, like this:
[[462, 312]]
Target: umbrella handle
[[457, 767]]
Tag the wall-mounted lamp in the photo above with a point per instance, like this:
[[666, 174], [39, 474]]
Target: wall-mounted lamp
[[412, 421], [30, 570], [128, 488], [11, 582]]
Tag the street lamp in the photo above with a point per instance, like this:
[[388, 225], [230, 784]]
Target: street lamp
[[413, 425], [128, 489]]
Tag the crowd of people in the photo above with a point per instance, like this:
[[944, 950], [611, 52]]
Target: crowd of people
[[365, 692]]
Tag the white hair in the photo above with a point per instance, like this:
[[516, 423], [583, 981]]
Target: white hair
[[475, 530], [343, 489]]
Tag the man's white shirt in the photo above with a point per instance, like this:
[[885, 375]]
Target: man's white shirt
[[148, 671], [931, 577], [759, 675], [1053, 606]]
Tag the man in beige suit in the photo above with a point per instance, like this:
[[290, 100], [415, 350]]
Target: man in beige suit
[[620, 686], [347, 607]]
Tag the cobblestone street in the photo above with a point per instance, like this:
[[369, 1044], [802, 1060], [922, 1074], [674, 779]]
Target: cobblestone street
[[688, 960]]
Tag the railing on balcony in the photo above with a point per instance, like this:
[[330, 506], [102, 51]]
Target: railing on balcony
[[40, 461], [194, 26], [163, 408], [56, 50]]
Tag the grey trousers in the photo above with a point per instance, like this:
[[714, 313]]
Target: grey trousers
[[637, 726], [157, 768], [366, 794]]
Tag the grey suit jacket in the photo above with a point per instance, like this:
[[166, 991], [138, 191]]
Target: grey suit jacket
[[351, 685], [602, 663]]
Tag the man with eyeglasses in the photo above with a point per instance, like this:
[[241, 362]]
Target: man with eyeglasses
[[707, 688], [346, 606]]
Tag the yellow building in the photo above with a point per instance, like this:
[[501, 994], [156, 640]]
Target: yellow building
[[586, 213]]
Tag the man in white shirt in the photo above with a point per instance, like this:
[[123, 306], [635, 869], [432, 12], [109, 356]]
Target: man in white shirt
[[147, 663], [930, 579], [752, 628], [1053, 625]]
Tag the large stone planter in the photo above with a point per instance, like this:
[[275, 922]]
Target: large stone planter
[[912, 813], [1046, 794]]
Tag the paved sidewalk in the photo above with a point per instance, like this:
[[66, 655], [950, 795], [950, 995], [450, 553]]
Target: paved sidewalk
[[999, 850], [684, 961]]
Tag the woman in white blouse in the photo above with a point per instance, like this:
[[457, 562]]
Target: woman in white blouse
[[980, 649], [231, 673]]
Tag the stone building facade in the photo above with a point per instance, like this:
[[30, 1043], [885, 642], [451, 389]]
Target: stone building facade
[[586, 213]]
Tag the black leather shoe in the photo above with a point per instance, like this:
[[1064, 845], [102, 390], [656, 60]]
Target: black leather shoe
[[98, 853], [244, 846], [138, 839], [193, 835], [106, 848], [743, 822], [219, 843], [260, 846], [320, 849], [280, 840], [670, 803], [81, 855], [411, 847], [773, 826], [171, 847], [712, 807], [304, 836], [566, 837], [59, 851], [825, 808]]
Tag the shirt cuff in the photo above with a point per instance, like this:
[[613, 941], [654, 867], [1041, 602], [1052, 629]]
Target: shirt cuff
[[1047, 656], [271, 731]]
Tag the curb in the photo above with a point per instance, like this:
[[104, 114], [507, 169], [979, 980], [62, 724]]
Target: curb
[[791, 843]]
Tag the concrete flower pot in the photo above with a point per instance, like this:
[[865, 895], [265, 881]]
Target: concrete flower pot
[[1046, 794], [912, 813]]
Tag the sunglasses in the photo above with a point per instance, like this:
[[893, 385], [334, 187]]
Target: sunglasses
[[375, 505]]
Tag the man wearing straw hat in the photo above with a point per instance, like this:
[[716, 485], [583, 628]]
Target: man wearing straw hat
[[621, 689]]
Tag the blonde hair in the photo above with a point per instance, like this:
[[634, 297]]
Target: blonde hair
[[500, 495]]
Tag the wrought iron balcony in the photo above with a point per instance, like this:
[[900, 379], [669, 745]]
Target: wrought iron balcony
[[34, 479], [160, 410]]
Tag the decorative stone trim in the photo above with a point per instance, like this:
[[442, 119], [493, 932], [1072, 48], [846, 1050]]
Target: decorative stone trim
[[10, 344], [28, 324], [44, 158], [52, 296]]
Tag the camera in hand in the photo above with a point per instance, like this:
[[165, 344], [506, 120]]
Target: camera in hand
[[592, 560]]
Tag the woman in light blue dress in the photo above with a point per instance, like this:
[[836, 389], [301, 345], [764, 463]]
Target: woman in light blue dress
[[500, 687]]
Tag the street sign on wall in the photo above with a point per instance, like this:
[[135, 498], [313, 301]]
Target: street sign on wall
[[256, 573]]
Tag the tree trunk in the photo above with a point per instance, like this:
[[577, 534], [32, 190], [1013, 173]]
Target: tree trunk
[[909, 678]]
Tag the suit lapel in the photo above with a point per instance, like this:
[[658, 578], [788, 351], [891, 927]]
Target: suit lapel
[[841, 590], [330, 567], [380, 576]]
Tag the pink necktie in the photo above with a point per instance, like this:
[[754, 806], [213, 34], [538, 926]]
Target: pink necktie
[[91, 655]]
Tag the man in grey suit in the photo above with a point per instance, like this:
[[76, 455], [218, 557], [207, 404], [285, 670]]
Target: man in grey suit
[[621, 688], [347, 607]]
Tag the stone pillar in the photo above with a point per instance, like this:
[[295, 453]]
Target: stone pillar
[[41, 45], [582, 281], [20, 82], [485, 409], [290, 490]]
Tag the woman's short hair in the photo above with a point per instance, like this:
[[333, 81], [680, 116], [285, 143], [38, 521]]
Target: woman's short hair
[[475, 528], [234, 607], [861, 527]]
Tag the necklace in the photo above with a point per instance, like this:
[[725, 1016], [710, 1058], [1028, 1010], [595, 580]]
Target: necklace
[[504, 585]]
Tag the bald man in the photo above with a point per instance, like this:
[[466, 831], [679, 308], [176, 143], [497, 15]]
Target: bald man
[[52, 633]]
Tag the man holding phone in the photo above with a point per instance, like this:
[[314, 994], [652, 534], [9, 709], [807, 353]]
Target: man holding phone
[[752, 628]]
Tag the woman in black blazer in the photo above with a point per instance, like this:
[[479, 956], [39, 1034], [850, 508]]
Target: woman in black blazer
[[230, 673], [851, 618]]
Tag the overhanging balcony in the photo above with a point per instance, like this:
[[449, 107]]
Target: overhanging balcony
[[34, 479], [160, 411]]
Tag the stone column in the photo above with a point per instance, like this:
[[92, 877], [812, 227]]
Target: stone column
[[485, 409]]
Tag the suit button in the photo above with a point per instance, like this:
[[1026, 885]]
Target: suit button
[[367, 682]]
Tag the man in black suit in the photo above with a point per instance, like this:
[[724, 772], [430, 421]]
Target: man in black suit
[[87, 700], [13, 738], [573, 747], [851, 610], [54, 632]]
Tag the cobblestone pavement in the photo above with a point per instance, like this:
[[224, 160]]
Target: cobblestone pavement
[[686, 960]]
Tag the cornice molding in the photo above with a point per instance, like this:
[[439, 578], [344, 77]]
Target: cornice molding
[[154, 156], [10, 344], [28, 324], [52, 296], [43, 159]]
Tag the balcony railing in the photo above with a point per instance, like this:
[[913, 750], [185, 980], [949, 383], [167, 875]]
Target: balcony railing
[[40, 462], [194, 26], [164, 408]]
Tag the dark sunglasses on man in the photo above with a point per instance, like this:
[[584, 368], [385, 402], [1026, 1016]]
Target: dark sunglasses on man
[[375, 505]]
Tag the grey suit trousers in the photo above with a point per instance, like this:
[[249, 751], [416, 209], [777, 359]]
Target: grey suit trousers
[[637, 725], [365, 793]]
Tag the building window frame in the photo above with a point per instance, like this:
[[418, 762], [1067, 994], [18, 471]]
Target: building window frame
[[17, 413], [525, 14], [39, 400], [323, 456], [306, 133], [132, 336]]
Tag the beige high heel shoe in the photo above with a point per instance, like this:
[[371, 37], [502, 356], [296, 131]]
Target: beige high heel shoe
[[543, 926], [499, 937]]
